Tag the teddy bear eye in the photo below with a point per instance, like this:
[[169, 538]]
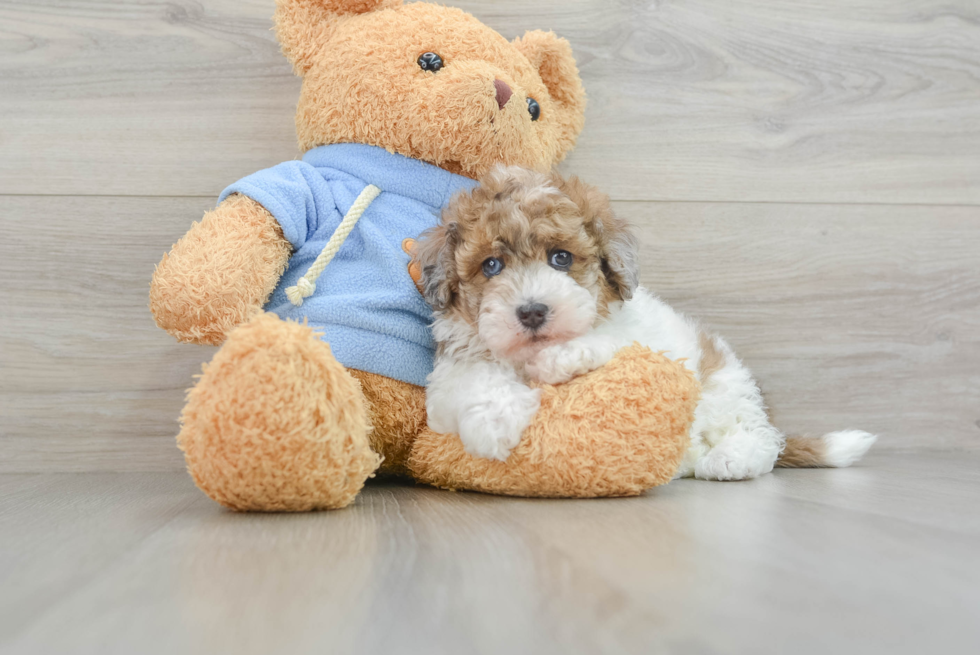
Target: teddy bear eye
[[534, 109], [430, 61], [492, 266]]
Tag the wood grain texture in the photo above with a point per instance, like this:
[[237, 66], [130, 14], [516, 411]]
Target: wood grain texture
[[850, 316], [881, 558], [141, 98], [828, 101], [89, 381]]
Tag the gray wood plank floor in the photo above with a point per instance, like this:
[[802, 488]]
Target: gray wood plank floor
[[881, 558]]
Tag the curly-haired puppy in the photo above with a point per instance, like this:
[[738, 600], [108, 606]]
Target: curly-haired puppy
[[532, 278]]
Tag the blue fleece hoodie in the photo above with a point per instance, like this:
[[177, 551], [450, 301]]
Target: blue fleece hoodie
[[365, 303]]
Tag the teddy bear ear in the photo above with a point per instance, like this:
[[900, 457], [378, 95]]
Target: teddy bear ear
[[552, 57], [302, 26]]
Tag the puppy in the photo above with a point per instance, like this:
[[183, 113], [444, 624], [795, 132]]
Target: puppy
[[533, 279]]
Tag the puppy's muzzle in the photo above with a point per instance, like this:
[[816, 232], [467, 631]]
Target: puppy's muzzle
[[532, 315]]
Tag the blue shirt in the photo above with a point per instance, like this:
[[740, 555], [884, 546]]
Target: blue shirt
[[365, 304]]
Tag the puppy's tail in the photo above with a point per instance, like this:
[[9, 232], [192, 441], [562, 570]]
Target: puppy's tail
[[834, 450]]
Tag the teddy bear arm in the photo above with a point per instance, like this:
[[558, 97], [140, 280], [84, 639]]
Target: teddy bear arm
[[617, 431], [220, 273]]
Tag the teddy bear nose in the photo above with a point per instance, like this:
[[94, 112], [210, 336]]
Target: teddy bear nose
[[503, 92]]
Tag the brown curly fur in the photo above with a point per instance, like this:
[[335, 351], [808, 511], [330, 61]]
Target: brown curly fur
[[274, 422], [518, 216]]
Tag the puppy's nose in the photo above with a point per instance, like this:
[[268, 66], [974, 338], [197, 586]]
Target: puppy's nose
[[503, 92], [532, 315]]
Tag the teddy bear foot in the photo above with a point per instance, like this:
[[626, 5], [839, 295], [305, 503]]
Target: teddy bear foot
[[275, 423]]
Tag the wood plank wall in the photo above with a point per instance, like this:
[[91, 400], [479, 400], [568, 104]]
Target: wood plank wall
[[805, 177]]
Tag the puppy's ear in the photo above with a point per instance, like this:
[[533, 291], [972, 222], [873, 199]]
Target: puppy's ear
[[621, 257], [435, 254], [619, 250]]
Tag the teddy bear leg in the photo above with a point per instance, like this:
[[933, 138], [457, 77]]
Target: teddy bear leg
[[275, 423], [616, 431], [396, 412]]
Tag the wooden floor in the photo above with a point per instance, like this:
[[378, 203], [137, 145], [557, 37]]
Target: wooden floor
[[805, 177], [884, 558]]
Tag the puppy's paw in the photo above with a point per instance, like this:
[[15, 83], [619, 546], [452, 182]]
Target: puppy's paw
[[561, 363], [440, 422], [721, 466], [741, 456], [492, 428]]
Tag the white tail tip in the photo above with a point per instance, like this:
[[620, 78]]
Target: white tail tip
[[845, 447]]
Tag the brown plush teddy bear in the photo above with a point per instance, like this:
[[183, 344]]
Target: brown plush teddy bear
[[402, 106]]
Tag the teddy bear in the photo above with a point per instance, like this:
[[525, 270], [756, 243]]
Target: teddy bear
[[302, 275]]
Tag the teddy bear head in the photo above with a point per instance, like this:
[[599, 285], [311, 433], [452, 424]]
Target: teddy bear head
[[430, 82]]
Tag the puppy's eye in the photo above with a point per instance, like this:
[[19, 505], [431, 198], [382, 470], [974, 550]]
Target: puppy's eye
[[534, 109], [430, 61], [492, 267], [560, 259]]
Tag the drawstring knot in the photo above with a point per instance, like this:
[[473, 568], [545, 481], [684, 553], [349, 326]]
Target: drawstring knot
[[306, 285]]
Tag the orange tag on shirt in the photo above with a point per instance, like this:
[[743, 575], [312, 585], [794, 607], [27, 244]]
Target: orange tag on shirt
[[414, 270]]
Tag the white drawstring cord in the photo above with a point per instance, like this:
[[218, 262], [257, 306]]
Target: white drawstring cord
[[306, 285]]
